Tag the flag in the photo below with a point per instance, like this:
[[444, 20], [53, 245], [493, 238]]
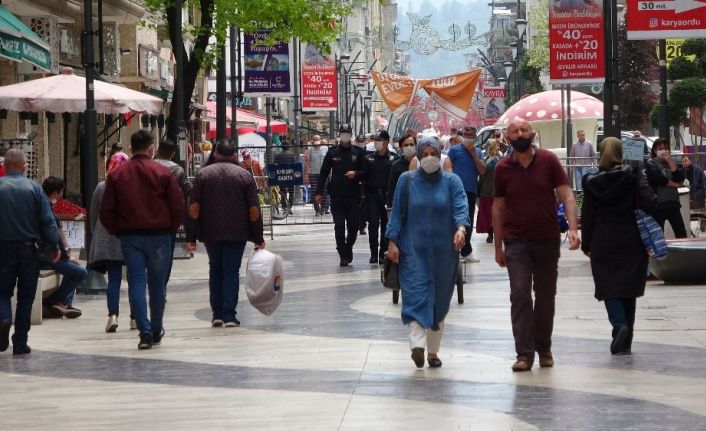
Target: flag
[[396, 90], [453, 93]]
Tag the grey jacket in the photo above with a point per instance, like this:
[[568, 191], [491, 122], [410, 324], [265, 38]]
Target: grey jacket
[[104, 246]]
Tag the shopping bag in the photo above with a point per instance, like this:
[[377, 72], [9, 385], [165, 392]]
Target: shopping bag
[[652, 235], [389, 274], [264, 281], [561, 217]]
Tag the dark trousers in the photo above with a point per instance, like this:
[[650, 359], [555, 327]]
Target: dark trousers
[[72, 275], [323, 206], [532, 265], [377, 218], [19, 266], [224, 259], [621, 312], [346, 215], [472, 215], [673, 215]]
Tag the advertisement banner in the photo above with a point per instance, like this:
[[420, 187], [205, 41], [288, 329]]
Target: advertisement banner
[[267, 68], [576, 47], [674, 50], [396, 90], [319, 82], [662, 19], [494, 102]]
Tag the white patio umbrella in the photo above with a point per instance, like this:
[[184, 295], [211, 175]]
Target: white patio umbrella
[[67, 93]]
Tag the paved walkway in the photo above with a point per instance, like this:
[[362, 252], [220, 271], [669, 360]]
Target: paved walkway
[[335, 356]]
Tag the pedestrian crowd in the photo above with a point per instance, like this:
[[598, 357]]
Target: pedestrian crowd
[[416, 195]]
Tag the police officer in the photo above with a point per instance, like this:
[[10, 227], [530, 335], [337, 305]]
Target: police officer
[[376, 175], [345, 164]]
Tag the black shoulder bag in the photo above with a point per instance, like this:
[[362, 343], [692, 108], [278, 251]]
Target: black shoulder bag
[[389, 270]]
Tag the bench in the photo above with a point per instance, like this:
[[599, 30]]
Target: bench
[[47, 282]]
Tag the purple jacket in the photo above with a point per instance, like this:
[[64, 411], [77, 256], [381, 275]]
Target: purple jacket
[[224, 192]]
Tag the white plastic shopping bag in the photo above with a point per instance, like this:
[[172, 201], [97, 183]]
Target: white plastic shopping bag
[[264, 281]]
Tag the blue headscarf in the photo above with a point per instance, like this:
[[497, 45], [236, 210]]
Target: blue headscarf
[[425, 142]]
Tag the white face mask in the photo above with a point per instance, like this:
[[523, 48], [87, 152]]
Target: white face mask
[[430, 164], [360, 144], [346, 137], [409, 151], [379, 145], [661, 153]]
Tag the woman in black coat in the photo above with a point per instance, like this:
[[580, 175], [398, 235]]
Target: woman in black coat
[[611, 239], [666, 177]]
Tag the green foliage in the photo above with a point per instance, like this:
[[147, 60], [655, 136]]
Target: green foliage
[[676, 115], [538, 53], [530, 75], [688, 93], [636, 69], [696, 47], [682, 67]]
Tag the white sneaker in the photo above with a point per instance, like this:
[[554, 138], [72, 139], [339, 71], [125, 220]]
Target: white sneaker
[[472, 259], [133, 324], [112, 324]]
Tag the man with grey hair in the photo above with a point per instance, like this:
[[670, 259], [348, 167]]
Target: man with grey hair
[[582, 156], [26, 220]]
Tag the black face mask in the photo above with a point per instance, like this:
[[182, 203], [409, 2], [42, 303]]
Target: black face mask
[[521, 145]]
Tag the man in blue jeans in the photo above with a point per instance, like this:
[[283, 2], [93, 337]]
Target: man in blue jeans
[[143, 206], [60, 302], [224, 213], [25, 220]]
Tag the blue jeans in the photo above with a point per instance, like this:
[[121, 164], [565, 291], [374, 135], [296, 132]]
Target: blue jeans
[[621, 312], [19, 265], [115, 277], [72, 275], [224, 258], [147, 260], [578, 177]]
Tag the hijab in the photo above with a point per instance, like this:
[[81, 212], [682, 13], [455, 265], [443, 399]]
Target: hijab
[[611, 154]]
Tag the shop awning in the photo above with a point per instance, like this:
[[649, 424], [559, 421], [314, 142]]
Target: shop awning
[[19, 43]]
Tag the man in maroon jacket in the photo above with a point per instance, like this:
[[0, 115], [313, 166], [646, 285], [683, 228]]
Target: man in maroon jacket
[[143, 205]]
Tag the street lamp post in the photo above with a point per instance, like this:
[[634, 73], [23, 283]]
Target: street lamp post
[[521, 25], [508, 70]]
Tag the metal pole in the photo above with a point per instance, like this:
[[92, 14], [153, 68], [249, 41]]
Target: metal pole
[[331, 119], [569, 127], [89, 150], [614, 60], [177, 106], [233, 92], [663, 124], [221, 96], [296, 144], [268, 130], [607, 88], [101, 52]]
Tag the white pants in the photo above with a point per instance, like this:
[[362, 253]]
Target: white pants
[[420, 337]]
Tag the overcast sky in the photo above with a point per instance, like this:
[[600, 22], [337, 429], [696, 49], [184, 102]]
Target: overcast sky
[[443, 14]]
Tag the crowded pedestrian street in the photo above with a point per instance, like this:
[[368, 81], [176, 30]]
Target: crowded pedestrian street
[[335, 356]]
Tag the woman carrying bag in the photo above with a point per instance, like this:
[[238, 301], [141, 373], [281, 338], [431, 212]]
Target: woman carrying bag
[[610, 237], [427, 229]]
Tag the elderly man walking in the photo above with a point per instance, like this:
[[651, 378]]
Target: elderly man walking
[[143, 206], [224, 213], [25, 220], [583, 156], [525, 223]]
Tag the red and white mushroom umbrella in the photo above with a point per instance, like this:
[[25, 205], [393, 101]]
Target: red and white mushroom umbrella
[[546, 106]]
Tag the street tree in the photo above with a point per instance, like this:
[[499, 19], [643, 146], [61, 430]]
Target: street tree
[[637, 69], [312, 21]]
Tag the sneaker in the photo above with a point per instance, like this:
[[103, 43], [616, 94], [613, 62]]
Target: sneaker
[[546, 360], [112, 324], [472, 259], [133, 324], [157, 339], [21, 349], [216, 323], [232, 323], [522, 364], [5, 334], [73, 312], [145, 342]]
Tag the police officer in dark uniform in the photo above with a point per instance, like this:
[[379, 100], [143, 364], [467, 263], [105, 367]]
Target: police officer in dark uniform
[[345, 164], [376, 175]]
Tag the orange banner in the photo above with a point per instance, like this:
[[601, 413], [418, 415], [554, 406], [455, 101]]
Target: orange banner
[[397, 91], [453, 93]]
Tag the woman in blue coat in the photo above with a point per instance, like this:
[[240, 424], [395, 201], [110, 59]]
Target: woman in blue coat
[[427, 228]]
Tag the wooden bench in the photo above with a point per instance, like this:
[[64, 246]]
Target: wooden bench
[[47, 282]]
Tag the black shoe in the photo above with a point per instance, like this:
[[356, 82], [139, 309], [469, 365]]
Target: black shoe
[[344, 262], [145, 342], [157, 338], [489, 239], [381, 260], [620, 340], [5, 334], [21, 349], [350, 255], [418, 356], [434, 361], [373, 260], [466, 250]]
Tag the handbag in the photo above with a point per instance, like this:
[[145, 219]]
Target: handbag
[[652, 235], [389, 271]]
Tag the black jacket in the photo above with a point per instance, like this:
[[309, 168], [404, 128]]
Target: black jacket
[[609, 231], [399, 167], [658, 174], [337, 162], [376, 172]]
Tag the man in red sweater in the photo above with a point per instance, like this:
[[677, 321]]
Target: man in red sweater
[[143, 206]]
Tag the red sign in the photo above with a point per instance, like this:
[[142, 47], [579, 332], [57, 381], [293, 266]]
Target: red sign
[[318, 80], [576, 46], [662, 19]]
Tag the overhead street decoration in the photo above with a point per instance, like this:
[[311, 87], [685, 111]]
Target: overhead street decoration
[[662, 19], [453, 93], [425, 40]]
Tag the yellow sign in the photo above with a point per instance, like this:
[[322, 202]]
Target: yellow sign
[[674, 50]]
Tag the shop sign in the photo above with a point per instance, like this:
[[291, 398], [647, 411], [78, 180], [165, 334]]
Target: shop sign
[[662, 19], [148, 59], [267, 68]]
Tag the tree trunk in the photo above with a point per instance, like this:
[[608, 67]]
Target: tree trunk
[[193, 65]]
